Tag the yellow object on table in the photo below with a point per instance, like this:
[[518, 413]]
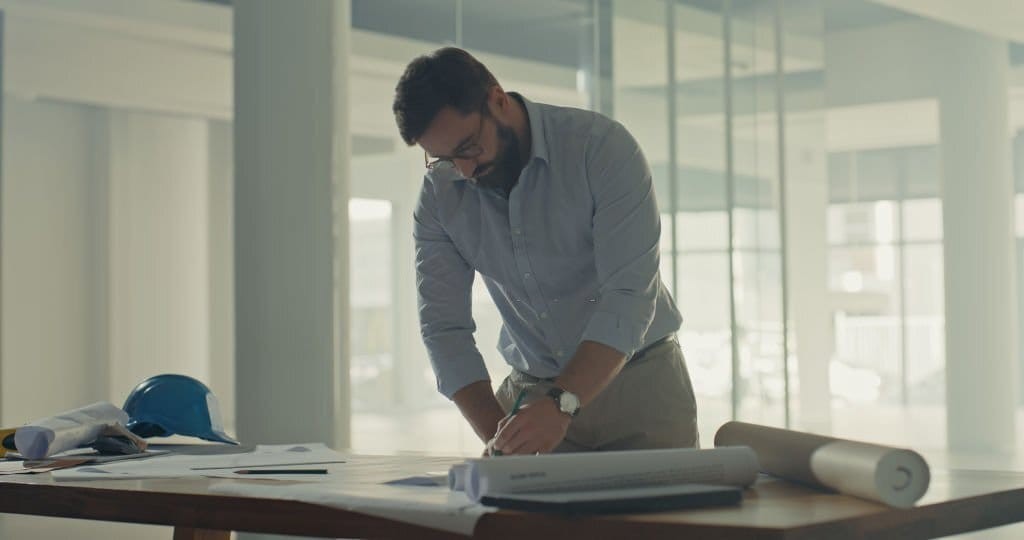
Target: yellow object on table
[[4, 433]]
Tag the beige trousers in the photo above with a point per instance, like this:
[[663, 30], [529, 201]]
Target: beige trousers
[[650, 404]]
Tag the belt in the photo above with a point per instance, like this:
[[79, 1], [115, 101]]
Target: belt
[[637, 357], [650, 346]]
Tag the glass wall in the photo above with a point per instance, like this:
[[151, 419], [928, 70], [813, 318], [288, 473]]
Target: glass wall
[[796, 154]]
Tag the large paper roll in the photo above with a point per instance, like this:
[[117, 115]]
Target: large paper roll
[[894, 476], [608, 470], [457, 477]]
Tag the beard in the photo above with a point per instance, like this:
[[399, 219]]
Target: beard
[[503, 171]]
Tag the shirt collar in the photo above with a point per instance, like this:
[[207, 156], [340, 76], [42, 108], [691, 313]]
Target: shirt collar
[[538, 142]]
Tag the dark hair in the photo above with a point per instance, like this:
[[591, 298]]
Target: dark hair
[[445, 77]]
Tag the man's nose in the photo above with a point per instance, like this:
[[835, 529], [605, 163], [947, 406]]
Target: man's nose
[[465, 166]]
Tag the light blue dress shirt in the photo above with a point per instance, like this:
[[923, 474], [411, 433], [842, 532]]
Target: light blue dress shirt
[[571, 254]]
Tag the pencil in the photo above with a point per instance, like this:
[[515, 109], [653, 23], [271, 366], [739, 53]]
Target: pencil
[[519, 401], [515, 409], [281, 471]]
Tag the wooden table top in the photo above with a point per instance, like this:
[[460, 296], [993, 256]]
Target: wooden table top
[[956, 502]]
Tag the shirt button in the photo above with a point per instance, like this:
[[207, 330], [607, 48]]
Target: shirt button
[[555, 300], [517, 231], [527, 275], [544, 315], [559, 353]]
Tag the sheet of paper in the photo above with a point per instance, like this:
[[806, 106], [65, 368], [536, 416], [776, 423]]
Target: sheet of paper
[[38, 466], [358, 486], [223, 466], [64, 460], [423, 480]]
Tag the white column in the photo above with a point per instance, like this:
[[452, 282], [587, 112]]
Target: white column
[[2, 357], [222, 278], [407, 342], [981, 315], [411, 355], [291, 221], [158, 261], [807, 255]]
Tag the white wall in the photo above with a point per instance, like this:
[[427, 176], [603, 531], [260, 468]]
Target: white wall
[[106, 205], [53, 323], [153, 55], [54, 288]]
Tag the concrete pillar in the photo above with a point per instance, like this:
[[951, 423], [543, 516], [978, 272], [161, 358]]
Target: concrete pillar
[[1, 190], [291, 221], [158, 257], [807, 259], [407, 342], [980, 267], [221, 260]]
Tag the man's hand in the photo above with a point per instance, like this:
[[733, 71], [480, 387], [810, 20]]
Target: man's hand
[[538, 427], [477, 403]]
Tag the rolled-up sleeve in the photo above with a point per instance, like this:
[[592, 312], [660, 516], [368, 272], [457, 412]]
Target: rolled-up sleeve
[[626, 228], [444, 284]]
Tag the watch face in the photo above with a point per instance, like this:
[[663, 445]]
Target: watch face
[[568, 402]]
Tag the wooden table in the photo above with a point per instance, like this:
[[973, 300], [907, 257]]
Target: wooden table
[[957, 502]]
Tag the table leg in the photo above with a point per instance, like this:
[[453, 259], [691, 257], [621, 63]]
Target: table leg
[[189, 533]]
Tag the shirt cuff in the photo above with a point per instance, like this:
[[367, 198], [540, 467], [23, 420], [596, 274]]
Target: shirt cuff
[[610, 329], [465, 372]]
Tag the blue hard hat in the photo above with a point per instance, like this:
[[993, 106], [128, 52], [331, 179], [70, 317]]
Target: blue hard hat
[[172, 404]]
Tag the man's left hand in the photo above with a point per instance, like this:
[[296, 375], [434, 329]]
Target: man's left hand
[[538, 427]]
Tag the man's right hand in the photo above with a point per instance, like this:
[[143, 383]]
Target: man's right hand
[[489, 449]]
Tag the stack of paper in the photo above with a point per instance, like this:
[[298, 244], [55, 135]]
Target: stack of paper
[[627, 481], [283, 456], [736, 466]]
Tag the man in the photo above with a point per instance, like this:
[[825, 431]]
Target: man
[[555, 208]]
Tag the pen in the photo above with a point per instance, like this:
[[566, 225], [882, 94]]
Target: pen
[[281, 471], [264, 465], [515, 409], [519, 401]]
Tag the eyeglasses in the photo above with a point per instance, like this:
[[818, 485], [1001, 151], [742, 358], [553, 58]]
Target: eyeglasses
[[469, 150]]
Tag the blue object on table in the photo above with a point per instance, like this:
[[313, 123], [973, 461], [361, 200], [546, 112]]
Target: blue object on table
[[172, 404]]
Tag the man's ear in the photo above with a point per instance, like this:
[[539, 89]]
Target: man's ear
[[498, 99]]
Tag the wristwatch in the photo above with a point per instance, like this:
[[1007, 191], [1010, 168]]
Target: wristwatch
[[566, 401]]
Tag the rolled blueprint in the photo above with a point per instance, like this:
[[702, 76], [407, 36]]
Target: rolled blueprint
[[587, 471], [893, 476], [457, 477], [67, 430]]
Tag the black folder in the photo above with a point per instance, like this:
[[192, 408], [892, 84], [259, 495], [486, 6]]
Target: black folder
[[614, 501]]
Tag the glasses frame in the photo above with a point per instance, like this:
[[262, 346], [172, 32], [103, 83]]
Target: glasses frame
[[471, 150]]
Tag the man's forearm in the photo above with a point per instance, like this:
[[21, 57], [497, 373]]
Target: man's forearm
[[540, 426], [591, 370], [478, 405]]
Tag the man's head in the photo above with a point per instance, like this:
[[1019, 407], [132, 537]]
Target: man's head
[[451, 105]]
